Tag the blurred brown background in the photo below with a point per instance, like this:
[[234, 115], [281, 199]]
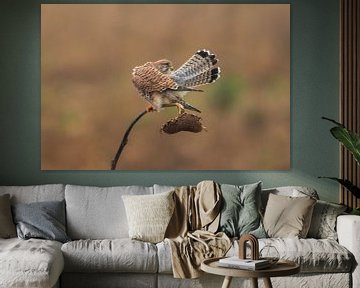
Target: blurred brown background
[[88, 100]]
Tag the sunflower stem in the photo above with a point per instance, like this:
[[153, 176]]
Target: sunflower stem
[[125, 138]]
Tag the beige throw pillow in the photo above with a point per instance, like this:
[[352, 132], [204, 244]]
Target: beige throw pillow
[[149, 215], [7, 226], [288, 217]]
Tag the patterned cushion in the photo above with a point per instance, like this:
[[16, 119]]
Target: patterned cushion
[[323, 221]]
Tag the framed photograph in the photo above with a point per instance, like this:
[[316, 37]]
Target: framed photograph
[[223, 67]]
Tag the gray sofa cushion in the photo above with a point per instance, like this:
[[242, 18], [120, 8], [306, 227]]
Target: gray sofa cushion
[[98, 213], [117, 255], [37, 193], [30, 263], [313, 255], [44, 220], [323, 255]]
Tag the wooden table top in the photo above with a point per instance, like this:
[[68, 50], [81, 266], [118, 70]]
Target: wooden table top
[[281, 268]]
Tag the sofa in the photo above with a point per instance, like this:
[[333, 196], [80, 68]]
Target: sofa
[[100, 253]]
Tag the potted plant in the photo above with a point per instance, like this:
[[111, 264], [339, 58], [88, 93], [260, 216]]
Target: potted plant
[[351, 142]]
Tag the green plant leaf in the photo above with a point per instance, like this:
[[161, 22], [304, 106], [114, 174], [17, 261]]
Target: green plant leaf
[[347, 184], [349, 139], [355, 211]]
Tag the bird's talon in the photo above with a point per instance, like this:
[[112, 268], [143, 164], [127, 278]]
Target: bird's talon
[[150, 109]]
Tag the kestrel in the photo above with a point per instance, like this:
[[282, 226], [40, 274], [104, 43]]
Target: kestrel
[[163, 87]]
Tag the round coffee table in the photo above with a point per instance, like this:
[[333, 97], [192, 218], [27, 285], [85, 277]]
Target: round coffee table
[[281, 268]]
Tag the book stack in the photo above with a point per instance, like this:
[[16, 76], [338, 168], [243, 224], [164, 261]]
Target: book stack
[[248, 264]]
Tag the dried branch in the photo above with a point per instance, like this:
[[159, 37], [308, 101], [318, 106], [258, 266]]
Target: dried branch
[[124, 140]]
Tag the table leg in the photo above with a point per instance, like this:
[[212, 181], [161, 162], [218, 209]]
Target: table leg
[[227, 282], [254, 282], [267, 283]]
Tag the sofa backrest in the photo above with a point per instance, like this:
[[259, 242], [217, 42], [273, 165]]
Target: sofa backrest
[[98, 212], [162, 188], [36, 193]]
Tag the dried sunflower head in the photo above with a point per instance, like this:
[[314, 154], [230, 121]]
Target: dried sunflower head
[[183, 122]]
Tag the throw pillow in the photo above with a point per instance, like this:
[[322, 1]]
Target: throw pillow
[[149, 215], [240, 213], [287, 217], [44, 220], [7, 227], [323, 223]]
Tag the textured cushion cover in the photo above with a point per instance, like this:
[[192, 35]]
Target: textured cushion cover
[[44, 220], [31, 263], [117, 255], [323, 223], [98, 213], [287, 216], [149, 215], [240, 210], [7, 227]]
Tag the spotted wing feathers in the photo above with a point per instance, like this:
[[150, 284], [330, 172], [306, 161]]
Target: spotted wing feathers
[[148, 79], [198, 70]]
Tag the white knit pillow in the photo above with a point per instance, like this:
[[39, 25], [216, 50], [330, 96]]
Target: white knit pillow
[[149, 215]]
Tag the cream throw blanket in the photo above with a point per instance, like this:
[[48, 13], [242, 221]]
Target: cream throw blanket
[[191, 231]]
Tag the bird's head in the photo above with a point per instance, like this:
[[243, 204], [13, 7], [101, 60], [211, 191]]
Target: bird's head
[[164, 66]]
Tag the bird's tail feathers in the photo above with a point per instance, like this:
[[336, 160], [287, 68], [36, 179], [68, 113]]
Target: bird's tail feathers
[[203, 78], [198, 70]]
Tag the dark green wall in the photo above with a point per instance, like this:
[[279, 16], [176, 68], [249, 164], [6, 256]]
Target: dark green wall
[[314, 93]]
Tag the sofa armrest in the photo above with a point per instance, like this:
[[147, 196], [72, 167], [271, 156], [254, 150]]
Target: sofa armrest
[[348, 230]]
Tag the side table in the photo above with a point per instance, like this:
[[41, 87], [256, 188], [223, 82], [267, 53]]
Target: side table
[[281, 268]]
